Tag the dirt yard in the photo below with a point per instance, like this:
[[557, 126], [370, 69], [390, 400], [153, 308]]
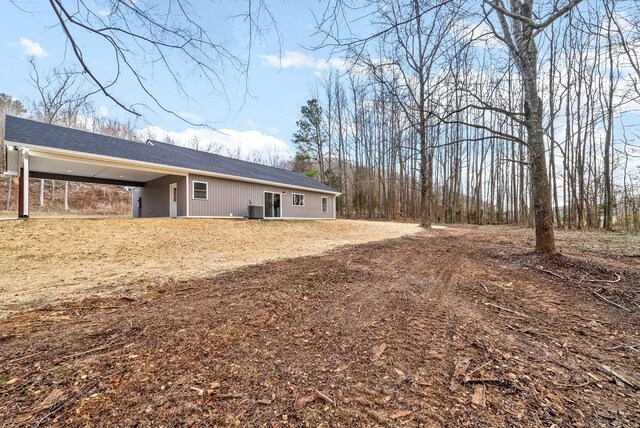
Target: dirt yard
[[456, 327], [50, 259]]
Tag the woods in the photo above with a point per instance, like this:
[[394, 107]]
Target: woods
[[520, 114]]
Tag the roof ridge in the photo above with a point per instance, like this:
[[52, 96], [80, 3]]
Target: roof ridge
[[226, 157], [67, 128]]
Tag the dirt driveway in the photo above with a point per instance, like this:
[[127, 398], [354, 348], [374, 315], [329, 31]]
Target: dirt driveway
[[449, 328], [51, 259]]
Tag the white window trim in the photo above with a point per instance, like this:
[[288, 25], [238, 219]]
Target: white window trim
[[193, 190], [322, 205], [303, 200], [273, 192]]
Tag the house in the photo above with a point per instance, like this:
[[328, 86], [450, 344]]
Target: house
[[167, 180]]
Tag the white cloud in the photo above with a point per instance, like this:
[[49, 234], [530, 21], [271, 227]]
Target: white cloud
[[251, 124], [191, 117], [250, 145], [272, 130], [30, 48], [104, 12], [294, 59]]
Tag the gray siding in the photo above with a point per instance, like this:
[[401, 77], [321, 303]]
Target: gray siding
[[155, 197], [232, 197]]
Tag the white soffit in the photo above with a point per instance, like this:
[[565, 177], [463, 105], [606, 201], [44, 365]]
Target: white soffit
[[87, 169]]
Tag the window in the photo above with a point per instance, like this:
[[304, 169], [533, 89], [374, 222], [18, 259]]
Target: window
[[200, 190], [297, 199], [324, 204]]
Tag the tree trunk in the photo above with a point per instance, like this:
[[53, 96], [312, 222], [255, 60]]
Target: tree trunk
[[524, 51], [545, 239]]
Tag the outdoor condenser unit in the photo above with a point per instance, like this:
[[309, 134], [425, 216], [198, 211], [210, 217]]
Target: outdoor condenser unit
[[255, 211]]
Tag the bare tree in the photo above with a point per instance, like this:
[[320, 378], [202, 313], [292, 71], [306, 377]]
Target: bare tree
[[60, 100], [517, 28], [151, 37], [59, 95]]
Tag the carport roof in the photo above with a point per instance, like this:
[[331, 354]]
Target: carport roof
[[32, 133]]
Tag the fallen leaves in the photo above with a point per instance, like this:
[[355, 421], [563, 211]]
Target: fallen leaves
[[301, 402], [200, 391], [400, 414], [325, 369], [458, 374], [54, 397], [377, 351], [479, 395]]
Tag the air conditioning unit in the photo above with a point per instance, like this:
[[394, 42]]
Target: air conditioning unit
[[255, 211]]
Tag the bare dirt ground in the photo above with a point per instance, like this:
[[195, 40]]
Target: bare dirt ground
[[455, 327], [47, 259]]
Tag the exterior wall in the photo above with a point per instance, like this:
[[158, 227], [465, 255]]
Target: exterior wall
[[232, 197], [155, 197]]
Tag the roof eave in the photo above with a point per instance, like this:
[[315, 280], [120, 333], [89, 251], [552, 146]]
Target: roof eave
[[162, 168]]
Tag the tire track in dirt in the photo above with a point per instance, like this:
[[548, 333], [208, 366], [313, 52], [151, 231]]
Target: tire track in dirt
[[429, 295], [280, 331]]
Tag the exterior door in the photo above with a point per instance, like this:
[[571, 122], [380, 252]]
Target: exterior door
[[272, 206], [173, 200]]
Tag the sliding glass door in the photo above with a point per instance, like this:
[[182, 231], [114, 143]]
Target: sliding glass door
[[272, 207]]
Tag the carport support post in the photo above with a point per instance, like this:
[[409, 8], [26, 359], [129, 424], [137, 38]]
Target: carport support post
[[334, 206], [23, 184]]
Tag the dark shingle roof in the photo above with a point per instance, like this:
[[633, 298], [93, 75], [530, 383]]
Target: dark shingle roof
[[29, 132]]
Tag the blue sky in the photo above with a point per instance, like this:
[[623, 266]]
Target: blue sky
[[280, 78]]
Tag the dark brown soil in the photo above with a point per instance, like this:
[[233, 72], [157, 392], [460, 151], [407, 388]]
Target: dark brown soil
[[404, 332]]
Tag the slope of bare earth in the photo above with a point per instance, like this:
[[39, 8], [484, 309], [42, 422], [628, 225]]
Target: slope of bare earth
[[47, 259], [454, 327]]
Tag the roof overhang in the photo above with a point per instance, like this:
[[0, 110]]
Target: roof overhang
[[44, 164], [67, 162]]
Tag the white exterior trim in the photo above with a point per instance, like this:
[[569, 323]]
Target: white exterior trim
[[303, 199], [102, 160], [321, 198], [334, 205], [193, 190], [298, 218], [233, 217], [23, 165], [221, 217], [44, 151], [186, 195], [265, 205]]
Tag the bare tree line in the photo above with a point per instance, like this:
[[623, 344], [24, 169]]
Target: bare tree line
[[518, 112], [512, 114]]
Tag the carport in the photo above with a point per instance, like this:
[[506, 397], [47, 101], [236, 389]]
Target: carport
[[27, 159]]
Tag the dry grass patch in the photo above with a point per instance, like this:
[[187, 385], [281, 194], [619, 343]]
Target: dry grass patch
[[49, 259]]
